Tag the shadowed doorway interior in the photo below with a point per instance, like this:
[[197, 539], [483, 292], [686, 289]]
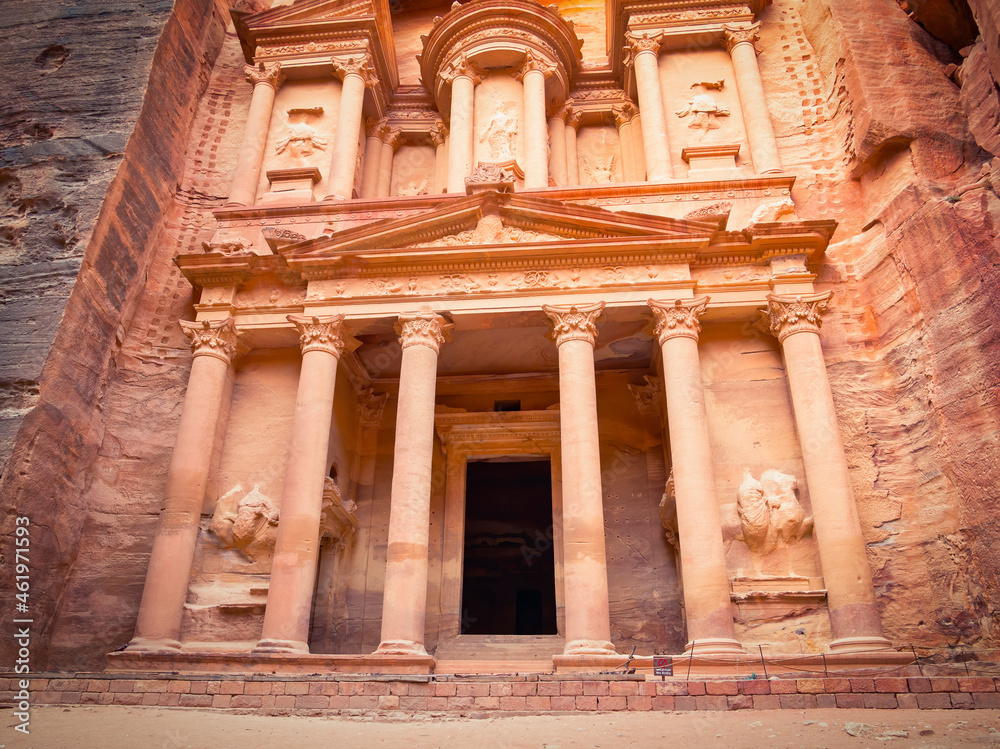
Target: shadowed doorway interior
[[508, 575]]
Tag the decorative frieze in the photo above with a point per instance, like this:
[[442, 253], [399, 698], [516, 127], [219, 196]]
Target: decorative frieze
[[574, 322], [796, 314], [679, 318]]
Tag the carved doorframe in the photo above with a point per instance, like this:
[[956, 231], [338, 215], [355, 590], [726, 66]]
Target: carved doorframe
[[489, 434]]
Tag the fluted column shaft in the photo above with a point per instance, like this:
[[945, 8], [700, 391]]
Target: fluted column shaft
[[161, 609], [355, 71], [707, 604], [585, 573], [265, 79], [854, 615], [405, 592], [296, 550], [760, 132], [645, 52]]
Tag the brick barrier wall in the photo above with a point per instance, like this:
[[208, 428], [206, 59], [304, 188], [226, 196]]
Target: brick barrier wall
[[522, 694]]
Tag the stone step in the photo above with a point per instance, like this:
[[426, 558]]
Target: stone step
[[484, 666], [502, 648]]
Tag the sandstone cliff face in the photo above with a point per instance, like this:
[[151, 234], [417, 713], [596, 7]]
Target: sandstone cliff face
[[913, 352], [884, 144], [94, 136]]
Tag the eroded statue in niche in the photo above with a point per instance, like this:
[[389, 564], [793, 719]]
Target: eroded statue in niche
[[300, 137], [246, 521], [771, 211], [601, 171], [769, 512], [703, 108], [501, 133]]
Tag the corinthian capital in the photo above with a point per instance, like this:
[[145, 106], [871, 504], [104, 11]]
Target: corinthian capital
[[391, 136], [644, 42], [459, 67], [574, 322], [437, 134], [624, 113], [534, 61], [355, 63], [423, 329], [677, 318], [324, 333], [796, 314], [739, 34], [267, 73], [216, 338]]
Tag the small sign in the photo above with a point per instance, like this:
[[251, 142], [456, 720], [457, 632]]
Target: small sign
[[663, 665]]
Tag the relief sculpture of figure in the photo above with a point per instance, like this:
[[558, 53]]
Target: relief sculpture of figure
[[249, 525], [601, 171], [770, 512], [501, 133], [704, 111], [300, 139]]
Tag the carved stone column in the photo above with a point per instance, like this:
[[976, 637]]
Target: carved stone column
[[405, 591], [644, 51], [585, 575], [536, 137], [572, 157], [854, 615], [265, 80], [557, 145], [373, 158], [703, 560], [623, 118], [463, 76], [391, 138], [763, 146], [158, 626], [355, 70], [638, 148], [439, 138], [296, 551]]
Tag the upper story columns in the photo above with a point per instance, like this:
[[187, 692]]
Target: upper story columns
[[644, 50], [355, 70], [265, 79], [763, 146], [495, 71]]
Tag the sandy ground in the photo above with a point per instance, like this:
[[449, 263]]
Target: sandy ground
[[155, 728]]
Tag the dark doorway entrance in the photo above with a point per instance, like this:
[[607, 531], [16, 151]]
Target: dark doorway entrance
[[508, 575]]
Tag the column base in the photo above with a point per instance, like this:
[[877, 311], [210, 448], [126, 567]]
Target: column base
[[714, 646], [859, 644], [401, 647], [589, 647], [152, 645], [281, 646], [589, 664]]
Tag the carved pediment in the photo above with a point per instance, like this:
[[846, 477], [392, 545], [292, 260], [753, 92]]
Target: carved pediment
[[499, 219]]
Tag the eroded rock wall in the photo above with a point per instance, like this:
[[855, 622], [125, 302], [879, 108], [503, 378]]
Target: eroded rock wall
[[912, 345], [94, 137]]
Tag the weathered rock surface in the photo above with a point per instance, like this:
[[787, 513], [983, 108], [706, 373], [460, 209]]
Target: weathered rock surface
[[94, 138]]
